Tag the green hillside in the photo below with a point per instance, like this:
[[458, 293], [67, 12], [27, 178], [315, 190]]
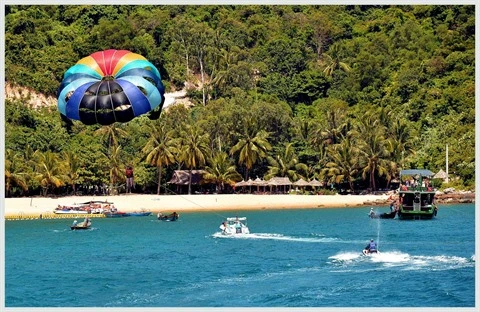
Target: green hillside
[[345, 94]]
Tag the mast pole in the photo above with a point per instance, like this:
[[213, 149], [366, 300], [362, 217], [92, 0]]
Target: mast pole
[[447, 162]]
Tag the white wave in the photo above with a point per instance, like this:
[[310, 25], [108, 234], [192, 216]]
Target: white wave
[[390, 257], [280, 237], [346, 256]]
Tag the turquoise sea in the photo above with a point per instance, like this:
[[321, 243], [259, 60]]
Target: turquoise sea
[[293, 258]]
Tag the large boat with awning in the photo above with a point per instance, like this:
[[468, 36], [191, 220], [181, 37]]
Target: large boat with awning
[[416, 195]]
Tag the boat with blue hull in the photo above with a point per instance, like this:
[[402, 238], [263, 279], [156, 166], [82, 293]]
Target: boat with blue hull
[[416, 196]]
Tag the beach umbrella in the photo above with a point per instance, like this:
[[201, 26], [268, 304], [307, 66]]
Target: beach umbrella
[[241, 183]]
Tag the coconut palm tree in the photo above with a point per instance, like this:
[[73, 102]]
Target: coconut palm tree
[[116, 170], [71, 167], [193, 150], [286, 165], [160, 149], [372, 146], [251, 147], [49, 171], [13, 177], [221, 171], [111, 133], [343, 164], [334, 62]]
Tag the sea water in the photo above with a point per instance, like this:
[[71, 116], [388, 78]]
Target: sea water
[[293, 258]]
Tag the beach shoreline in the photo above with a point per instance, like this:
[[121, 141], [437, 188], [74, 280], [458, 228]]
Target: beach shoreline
[[184, 203]]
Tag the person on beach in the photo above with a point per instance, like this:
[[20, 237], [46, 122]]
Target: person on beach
[[371, 247], [129, 176]]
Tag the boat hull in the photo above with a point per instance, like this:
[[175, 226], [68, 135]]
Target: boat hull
[[79, 227], [411, 215], [70, 212], [116, 214], [139, 214]]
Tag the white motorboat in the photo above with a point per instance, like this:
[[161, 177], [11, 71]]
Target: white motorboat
[[235, 226]]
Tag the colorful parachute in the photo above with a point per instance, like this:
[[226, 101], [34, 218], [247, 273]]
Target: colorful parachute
[[110, 86]]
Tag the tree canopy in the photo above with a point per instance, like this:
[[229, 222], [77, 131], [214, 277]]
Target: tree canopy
[[357, 91]]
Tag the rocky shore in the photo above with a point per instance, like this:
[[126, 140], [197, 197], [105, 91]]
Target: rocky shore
[[448, 196]]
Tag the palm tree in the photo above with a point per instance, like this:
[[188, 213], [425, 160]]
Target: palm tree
[[334, 61], [49, 172], [116, 170], [343, 164], [400, 141], [338, 127], [111, 133], [251, 147], [286, 165], [193, 150], [13, 177], [72, 166], [372, 149], [221, 171], [160, 149]]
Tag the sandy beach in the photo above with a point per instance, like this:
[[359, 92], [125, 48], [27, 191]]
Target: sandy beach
[[183, 203]]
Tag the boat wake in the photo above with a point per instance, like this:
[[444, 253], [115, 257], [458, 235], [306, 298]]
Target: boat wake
[[279, 237], [400, 259]]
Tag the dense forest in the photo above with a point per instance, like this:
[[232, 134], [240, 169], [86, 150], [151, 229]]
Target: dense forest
[[346, 94]]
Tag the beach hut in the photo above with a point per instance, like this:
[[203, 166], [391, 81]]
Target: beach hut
[[280, 181], [301, 183], [260, 182], [315, 183], [441, 175]]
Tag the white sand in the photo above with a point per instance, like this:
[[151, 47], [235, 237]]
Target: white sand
[[170, 203]]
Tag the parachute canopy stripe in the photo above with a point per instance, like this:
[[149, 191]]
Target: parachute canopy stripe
[[137, 64], [72, 87], [134, 95], [72, 110], [82, 69], [151, 92]]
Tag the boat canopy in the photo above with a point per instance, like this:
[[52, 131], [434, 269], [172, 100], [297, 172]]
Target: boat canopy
[[413, 172], [237, 219]]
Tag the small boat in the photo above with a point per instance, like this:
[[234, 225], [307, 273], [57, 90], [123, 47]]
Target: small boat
[[385, 215], [85, 225], [139, 214], [235, 226], [171, 217]]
